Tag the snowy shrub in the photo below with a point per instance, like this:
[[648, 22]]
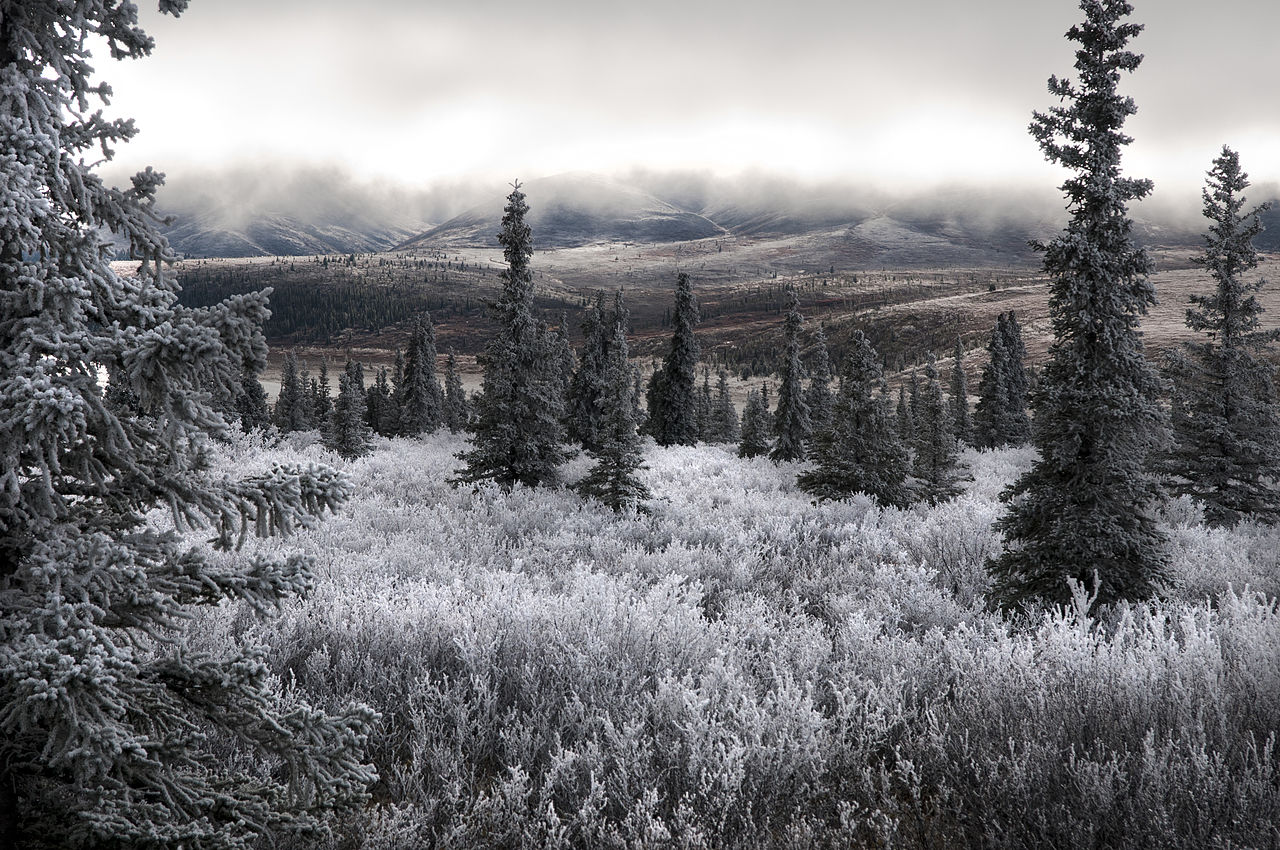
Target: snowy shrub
[[741, 667]]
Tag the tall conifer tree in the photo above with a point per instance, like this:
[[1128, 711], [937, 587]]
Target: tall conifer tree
[[455, 412], [519, 430], [724, 418], [935, 459], [1226, 423], [588, 384], [113, 732], [673, 412], [290, 412], [754, 431], [961, 418], [1083, 508], [348, 431], [860, 452], [791, 424], [618, 456], [421, 400], [818, 396]]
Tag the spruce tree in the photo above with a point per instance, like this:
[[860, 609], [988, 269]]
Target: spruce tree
[[902, 420], [251, 402], [935, 455], [589, 382], [754, 431], [1083, 508], [348, 432], [818, 396], [618, 456], [114, 732], [1001, 417], [861, 451], [290, 410], [672, 406], [961, 419], [724, 418], [705, 405], [1227, 426], [520, 409], [382, 410], [455, 411], [421, 400], [791, 424], [323, 402]]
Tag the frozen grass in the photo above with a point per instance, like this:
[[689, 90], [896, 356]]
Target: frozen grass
[[740, 667]]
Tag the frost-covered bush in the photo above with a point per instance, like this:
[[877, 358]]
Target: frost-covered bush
[[742, 667]]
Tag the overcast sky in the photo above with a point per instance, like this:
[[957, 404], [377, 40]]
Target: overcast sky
[[416, 91]]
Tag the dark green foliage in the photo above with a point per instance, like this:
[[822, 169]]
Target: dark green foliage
[[382, 410], [251, 402], [724, 417], [902, 421], [861, 451], [421, 400], [519, 427], [320, 401], [455, 413], [1001, 417], [935, 446], [618, 456], [588, 384], [1226, 423], [818, 396], [705, 406], [1083, 508], [961, 418], [348, 432], [755, 428], [673, 414], [791, 423], [290, 413]]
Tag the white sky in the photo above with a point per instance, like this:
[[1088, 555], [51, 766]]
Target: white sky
[[894, 91]]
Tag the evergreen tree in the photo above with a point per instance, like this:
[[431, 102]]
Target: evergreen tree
[[307, 414], [618, 456], [1001, 416], [935, 458], [704, 406], [672, 407], [724, 419], [322, 404], [1083, 508], [382, 411], [754, 439], [860, 452], [520, 410], [587, 386], [914, 396], [818, 396], [113, 731], [791, 424], [455, 411], [348, 432], [902, 421], [421, 399], [962, 424], [251, 402], [641, 416], [1227, 427], [290, 411]]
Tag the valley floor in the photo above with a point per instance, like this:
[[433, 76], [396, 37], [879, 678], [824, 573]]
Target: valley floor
[[740, 667]]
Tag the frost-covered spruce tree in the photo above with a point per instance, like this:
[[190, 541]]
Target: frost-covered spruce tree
[[587, 387], [724, 417], [519, 430], [1083, 508], [961, 419], [673, 413], [818, 396], [936, 453], [251, 402], [290, 413], [754, 431], [322, 402], [791, 424], [861, 451], [705, 406], [902, 419], [455, 397], [113, 731], [1001, 416], [348, 431], [420, 397], [618, 455], [382, 409], [1227, 426]]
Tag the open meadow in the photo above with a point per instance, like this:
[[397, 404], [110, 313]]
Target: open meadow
[[741, 667]]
